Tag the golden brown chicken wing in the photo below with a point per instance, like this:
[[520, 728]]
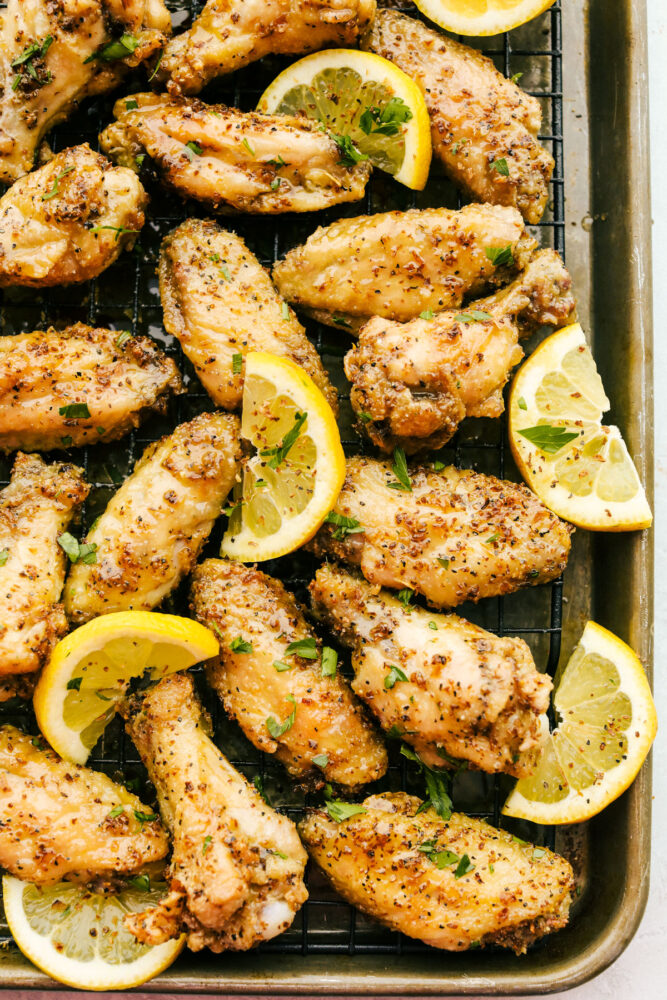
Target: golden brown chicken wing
[[453, 884], [62, 388], [227, 36], [236, 871], [484, 128], [233, 161], [414, 382], [271, 668], [401, 264], [154, 527], [61, 820], [35, 509], [219, 303], [452, 536], [69, 220]]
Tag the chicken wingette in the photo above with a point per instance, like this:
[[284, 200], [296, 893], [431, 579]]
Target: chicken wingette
[[454, 884], [36, 508], [452, 536], [52, 55], [69, 220], [413, 383], [483, 126], [219, 302], [154, 527], [61, 820], [227, 36], [63, 388], [401, 264], [271, 667], [232, 161], [443, 683], [236, 872]]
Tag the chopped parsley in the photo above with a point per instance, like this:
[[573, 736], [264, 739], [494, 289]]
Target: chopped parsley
[[305, 648], [275, 183], [240, 645], [349, 153], [248, 147], [500, 256], [4, 556], [145, 817], [439, 856], [277, 729], [400, 470], [341, 321], [365, 416], [157, 65], [443, 562], [405, 596], [123, 338], [85, 552], [340, 811], [277, 163], [207, 843], [279, 452], [284, 311], [515, 77], [141, 882], [25, 63], [549, 438], [427, 314], [437, 785], [329, 661], [225, 272], [281, 667], [500, 166], [385, 121], [433, 626], [438, 466], [118, 230], [538, 852], [192, 149], [74, 411], [473, 316], [120, 48], [74, 684], [321, 760], [237, 364], [278, 854], [344, 525], [116, 811], [131, 104], [464, 867], [521, 403], [491, 539], [56, 181], [395, 674]]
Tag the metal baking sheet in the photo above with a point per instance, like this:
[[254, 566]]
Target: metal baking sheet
[[595, 122]]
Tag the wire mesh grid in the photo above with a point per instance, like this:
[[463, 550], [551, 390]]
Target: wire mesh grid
[[126, 297]]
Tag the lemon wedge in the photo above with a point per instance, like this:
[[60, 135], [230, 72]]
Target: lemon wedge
[[371, 107], [78, 936], [482, 17], [578, 467], [90, 669], [293, 481], [607, 723]]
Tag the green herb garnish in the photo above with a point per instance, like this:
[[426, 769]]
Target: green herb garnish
[[240, 645], [385, 121], [305, 648], [400, 470], [279, 452], [344, 525], [277, 729], [549, 439], [501, 166], [395, 674], [500, 256], [74, 411], [329, 661], [237, 364], [118, 49], [349, 153]]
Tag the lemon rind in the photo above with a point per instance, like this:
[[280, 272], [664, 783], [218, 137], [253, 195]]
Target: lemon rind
[[474, 27]]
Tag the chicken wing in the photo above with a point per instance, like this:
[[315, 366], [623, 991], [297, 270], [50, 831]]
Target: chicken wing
[[400, 264], [35, 509], [154, 527], [453, 884], [451, 536], [63, 388], [237, 867], [484, 128], [54, 54], [233, 161], [227, 36], [414, 382], [219, 303], [444, 683], [69, 220], [262, 679], [61, 820]]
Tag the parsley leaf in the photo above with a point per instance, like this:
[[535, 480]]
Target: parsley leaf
[[437, 785], [405, 596], [279, 452], [277, 163], [284, 311], [521, 403], [341, 321], [340, 811], [4, 556], [56, 180], [118, 230], [85, 552], [427, 314], [395, 674], [344, 525], [305, 648], [501, 166], [443, 562], [500, 256], [400, 470], [248, 147], [74, 411], [277, 729], [120, 48], [321, 760], [145, 817], [464, 867], [240, 645], [433, 626], [237, 364], [116, 811], [281, 667], [123, 338], [549, 439], [440, 856], [385, 121], [74, 684], [131, 105], [329, 661], [515, 77], [349, 153], [207, 843], [473, 316], [192, 149], [141, 882]]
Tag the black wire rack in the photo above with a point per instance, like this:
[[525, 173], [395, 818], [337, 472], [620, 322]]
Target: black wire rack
[[126, 297]]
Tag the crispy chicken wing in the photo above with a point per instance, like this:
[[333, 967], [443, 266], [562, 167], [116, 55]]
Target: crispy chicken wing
[[154, 527], [399, 264], [219, 303], [54, 54], [61, 820], [233, 161], [227, 36], [69, 220], [330, 735], [453, 884], [103, 380], [35, 509], [414, 382], [454, 536], [236, 872], [484, 128], [444, 683]]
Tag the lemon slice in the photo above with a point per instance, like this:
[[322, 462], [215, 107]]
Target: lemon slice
[[482, 17], [373, 109], [578, 467], [90, 669], [78, 937], [607, 723], [293, 481]]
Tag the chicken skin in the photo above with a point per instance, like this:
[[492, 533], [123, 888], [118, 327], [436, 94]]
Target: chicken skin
[[329, 735], [68, 221], [233, 161], [444, 683], [453, 884], [35, 509], [63, 388], [484, 128], [219, 302], [400, 264], [452, 536], [227, 36], [55, 54], [414, 382], [64, 821], [154, 527], [236, 872]]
